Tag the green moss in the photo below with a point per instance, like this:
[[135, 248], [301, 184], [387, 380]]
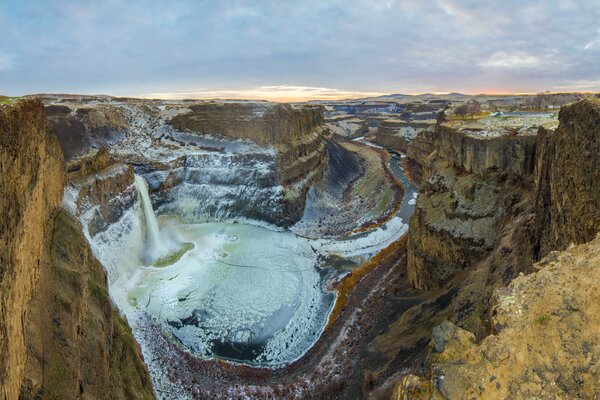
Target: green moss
[[172, 258]]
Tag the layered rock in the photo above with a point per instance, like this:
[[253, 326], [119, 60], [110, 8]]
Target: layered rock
[[60, 336], [31, 184], [397, 134], [473, 187], [568, 179], [263, 123]]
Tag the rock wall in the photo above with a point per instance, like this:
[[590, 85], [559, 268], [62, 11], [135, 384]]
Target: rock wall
[[78, 344], [264, 123], [507, 154], [545, 342], [419, 150], [472, 188], [397, 134], [31, 182], [59, 335], [568, 179]]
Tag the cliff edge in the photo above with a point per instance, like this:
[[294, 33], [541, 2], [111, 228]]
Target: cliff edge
[[60, 336]]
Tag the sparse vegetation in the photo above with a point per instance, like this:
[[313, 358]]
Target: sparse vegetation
[[172, 258], [543, 319]]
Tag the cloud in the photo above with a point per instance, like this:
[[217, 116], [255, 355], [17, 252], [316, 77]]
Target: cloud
[[583, 85], [511, 60], [595, 42], [249, 47]]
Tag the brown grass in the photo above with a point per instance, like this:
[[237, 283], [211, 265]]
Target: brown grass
[[347, 285]]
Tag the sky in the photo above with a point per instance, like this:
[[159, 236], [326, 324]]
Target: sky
[[297, 49]]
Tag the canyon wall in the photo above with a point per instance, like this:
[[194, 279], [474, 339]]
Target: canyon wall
[[568, 179], [481, 222], [295, 132], [472, 189], [59, 333], [78, 344], [237, 159], [263, 123], [31, 184]]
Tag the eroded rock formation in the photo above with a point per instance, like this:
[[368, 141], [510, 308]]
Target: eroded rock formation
[[31, 184], [277, 150], [545, 344], [60, 335], [488, 209]]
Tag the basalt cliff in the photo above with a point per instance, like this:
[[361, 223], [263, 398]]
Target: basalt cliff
[[61, 336], [491, 206]]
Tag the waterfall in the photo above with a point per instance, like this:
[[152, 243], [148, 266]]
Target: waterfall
[[152, 232]]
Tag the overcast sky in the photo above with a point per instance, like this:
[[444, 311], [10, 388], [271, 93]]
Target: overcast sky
[[307, 48]]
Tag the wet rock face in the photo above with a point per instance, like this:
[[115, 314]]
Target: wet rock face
[[31, 182], [568, 179]]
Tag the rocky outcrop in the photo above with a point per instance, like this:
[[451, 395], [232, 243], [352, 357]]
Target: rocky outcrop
[[263, 123], [347, 126], [82, 127], [396, 134], [419, 150], [568, 179], [545, 343], [474, 188], [78, 344], [31, 184], [59, 334]]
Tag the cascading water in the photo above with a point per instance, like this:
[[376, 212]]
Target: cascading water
[[154, 247]]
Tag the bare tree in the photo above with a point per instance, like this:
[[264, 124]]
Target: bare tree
[[473, 107], [462, 110]]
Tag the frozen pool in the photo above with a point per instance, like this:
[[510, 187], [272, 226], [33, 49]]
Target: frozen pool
[[242, 292], [229, 290]]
